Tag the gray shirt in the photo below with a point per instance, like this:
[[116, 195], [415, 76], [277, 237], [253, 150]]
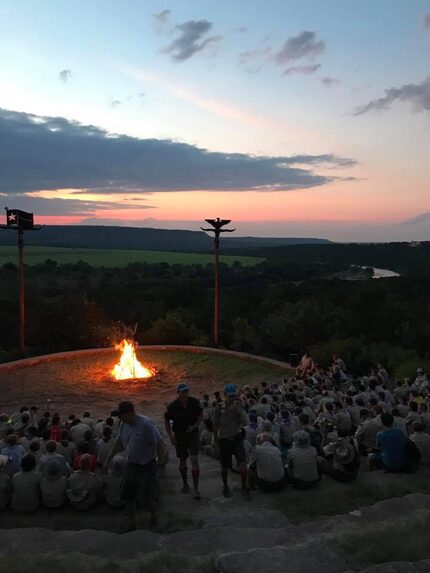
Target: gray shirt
[[229, 420], [26, 494], [140, 440]]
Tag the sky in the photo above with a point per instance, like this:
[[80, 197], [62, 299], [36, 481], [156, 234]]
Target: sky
[[305, 119]]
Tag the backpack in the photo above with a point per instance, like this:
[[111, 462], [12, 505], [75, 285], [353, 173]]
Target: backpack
[[412, 457]]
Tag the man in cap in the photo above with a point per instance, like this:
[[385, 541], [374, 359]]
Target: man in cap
[[181, 420], [229, 418], [138, 439]]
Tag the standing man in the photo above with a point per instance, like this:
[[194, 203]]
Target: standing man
[[138, 440], [229, 417], [186, 414]]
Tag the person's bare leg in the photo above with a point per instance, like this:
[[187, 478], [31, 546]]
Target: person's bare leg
[[183, 470], [195, 472]]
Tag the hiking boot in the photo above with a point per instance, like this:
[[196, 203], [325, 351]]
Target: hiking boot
[[196, 494], [185, 489], [226, 492], [246, 494]]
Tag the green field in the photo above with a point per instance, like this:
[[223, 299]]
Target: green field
[[115, 258]]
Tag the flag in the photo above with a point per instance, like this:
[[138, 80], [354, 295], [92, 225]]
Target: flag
[[19, 219]]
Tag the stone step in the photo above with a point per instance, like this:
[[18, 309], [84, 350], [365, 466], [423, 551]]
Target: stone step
[[36, 541], [311, 557], [400, 567]]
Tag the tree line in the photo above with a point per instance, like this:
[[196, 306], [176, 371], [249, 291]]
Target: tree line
[[276, 308]]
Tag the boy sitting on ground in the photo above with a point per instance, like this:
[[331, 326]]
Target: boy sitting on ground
[[26, 493], [51, 453], [391, 445], [5, 484], [113, 481], [84, 450], [341, 458], [104, 446], [67, 448], [53, 483], [266, 468], [14, 453], [84, 489], [302, 461]]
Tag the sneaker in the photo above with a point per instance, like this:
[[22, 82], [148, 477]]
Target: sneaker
[[185, 489], [226, 492], [196, 494], [246, 494]]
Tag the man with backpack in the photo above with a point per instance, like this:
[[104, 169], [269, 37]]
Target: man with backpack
[[341, 458]]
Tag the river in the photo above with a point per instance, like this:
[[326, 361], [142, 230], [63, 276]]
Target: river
[[383, 273]]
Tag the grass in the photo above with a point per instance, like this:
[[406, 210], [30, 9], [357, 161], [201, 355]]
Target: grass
[[206, 365], [406, 539], [116, 258]]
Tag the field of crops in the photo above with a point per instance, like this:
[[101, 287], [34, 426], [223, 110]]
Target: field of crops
[[114, 258]]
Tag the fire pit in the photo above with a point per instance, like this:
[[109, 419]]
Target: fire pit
[[129, 367]]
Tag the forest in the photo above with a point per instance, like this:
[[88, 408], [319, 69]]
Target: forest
[[281, 306]]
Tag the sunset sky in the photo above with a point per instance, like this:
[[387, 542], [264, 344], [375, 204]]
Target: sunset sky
[[292, 118]]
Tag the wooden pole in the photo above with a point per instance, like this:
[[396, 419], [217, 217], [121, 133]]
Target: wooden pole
[[21, 293], [216, 298]]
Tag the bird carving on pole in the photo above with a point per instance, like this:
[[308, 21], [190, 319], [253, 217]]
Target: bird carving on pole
[[217, 229]]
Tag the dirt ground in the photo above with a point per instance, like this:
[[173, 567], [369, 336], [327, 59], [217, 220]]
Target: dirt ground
[[79, 383]]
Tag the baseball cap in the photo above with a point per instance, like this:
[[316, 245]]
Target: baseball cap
[[230, 390], [182, 388], [420, 370]]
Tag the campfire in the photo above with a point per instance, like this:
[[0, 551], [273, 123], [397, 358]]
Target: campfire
[[129, 366]]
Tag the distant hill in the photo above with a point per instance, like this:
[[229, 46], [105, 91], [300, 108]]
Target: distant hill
[[104, 237], [251, 242]]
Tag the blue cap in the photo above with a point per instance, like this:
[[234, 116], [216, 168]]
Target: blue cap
[[230, 390], [182, 388]]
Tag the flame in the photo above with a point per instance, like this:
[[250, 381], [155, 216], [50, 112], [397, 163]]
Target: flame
[[128, 365]]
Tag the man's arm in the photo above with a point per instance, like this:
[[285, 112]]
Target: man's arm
[[117, 447], [168, 427], [216, 423]]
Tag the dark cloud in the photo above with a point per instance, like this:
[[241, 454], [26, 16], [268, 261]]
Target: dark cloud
[[55, 153], [65, 75], [302, 70], [304, 45], [416, 94], [73, 207], [192, 38], [330, 82], [423, 218], [426, 21], [115, 103], [161, 20]]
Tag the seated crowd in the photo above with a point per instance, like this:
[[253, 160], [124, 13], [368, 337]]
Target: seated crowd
[[318, 422], [44, 461], [325, 422]]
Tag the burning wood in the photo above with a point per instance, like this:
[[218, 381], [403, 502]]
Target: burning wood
[[129, 366]]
